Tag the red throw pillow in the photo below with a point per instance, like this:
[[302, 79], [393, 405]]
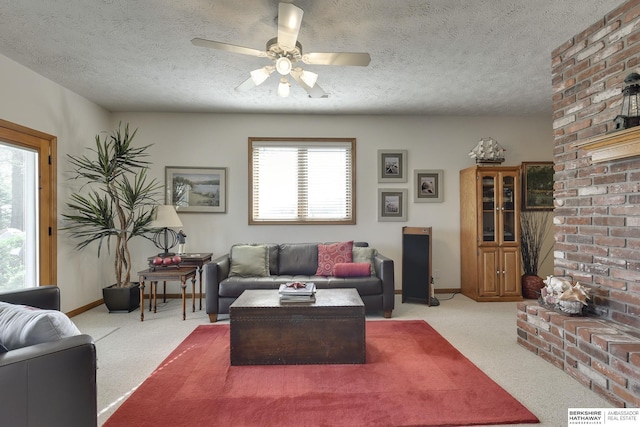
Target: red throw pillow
[[330, 255], [352, 269]]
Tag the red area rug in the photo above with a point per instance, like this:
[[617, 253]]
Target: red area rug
[[413, 377]]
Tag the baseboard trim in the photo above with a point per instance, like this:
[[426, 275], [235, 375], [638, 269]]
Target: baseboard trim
[[99, 302], [159, 296], [436, 291], [446, 290], [84, 308], [179, 296]]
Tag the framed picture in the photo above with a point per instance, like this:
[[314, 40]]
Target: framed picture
[[196, 189], [428, 185], [392, 165], [392, 204], [537, 186]]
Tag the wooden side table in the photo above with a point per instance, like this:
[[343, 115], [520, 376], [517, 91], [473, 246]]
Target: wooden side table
[[196, 260], [190, 260], [180, 274]]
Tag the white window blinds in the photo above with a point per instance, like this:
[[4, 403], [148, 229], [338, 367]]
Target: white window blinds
[[301, 181]]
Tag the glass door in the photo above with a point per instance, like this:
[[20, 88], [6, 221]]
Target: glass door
[[489, 217], [27, 208], [18, 218], [509, 231]]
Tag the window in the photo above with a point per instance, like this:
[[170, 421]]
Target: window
[[27, 207], [301, 181]]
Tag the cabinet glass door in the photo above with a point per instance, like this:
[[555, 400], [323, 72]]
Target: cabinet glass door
[[508, 208], [488, 208]]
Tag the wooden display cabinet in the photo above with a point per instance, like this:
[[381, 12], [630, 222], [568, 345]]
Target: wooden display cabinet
[[490, 233]]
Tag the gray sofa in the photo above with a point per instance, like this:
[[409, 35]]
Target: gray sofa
[[290, 262], [49, 384]]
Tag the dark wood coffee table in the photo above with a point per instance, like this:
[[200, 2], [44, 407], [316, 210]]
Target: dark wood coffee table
[[329, 331]]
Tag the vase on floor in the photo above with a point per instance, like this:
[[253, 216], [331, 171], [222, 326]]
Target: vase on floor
[[531, 286], [121, 299]]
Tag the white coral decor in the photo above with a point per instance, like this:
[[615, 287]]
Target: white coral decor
[[560, 293]]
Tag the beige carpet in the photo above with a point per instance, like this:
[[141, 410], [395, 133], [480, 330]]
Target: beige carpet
[[129, 350]]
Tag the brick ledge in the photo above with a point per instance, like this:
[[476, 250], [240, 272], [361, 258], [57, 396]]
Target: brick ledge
[[596, 352]]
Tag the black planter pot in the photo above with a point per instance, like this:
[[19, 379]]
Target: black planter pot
[[121, 300]]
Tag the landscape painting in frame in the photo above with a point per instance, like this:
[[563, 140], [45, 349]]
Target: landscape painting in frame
[[428, 185], [392, 204], [392, 165], [195, 189], [537, 186]]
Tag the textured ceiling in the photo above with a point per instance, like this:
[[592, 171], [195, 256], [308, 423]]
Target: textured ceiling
[[427, 56]]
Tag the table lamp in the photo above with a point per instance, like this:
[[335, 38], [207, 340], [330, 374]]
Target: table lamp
[[165, 221]]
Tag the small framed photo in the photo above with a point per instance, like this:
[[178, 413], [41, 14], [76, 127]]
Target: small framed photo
[[392, 204], [392, 165], [537, 186], [428, 185], [195, 189]]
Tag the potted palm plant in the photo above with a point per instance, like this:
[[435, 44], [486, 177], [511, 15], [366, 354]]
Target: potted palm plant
[[115, 204], [534, 228]]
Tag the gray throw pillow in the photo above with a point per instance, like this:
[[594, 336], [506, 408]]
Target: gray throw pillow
[[249, 261], [361, 254], [22, 326]]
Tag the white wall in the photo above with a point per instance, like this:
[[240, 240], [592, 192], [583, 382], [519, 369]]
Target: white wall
[[220, 140], [33, 101], [215, 140]]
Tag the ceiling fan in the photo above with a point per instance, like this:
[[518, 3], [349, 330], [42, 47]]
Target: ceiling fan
[[285, 52]]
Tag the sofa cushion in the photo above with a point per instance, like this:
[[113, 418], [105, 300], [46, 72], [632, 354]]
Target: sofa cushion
[[249, 260], [3, 349], [234, 286], [273, 258], [330, 255], [362, 254], [352, 269], [367, 285], [298, 259], [22, 326]]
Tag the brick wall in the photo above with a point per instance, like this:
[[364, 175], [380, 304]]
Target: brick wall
[[597, 207], [599, 356]]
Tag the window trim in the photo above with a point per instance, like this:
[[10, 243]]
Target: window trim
[[47, 146], [302, 141]]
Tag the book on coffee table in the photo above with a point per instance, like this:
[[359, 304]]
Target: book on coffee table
[[285, 299], [297, 289]]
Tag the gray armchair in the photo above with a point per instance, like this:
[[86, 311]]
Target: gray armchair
[[50, 384]]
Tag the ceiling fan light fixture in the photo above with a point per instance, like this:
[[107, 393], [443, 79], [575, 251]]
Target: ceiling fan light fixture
[[261, 74], [284, 51], [310, 78], [284, 88], [283, 65]]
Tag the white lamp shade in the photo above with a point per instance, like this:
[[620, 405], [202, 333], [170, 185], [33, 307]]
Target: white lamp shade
[[283, 88], [261, 74], [166, 217]]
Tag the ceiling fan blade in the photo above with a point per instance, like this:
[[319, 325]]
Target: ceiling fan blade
[[246, 85], [314, 92], [228, 47], [289, 21], [317, 92], [337, 58]]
